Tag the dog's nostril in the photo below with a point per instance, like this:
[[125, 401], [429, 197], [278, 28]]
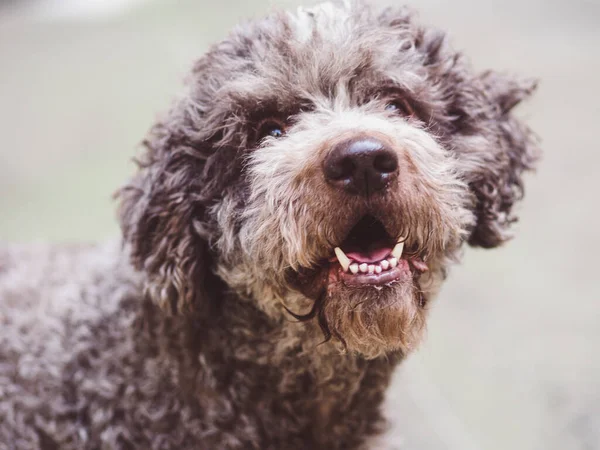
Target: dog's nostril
[[360, 166], [341, 169], [386, 162]]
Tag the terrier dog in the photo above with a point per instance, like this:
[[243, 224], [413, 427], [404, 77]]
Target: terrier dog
[[292, 218]]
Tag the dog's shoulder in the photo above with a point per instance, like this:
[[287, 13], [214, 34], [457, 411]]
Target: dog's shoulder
[[62, 309], [48, 268], [45, 286]]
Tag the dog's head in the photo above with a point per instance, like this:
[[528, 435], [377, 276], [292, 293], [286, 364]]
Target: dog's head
[[327, 164]]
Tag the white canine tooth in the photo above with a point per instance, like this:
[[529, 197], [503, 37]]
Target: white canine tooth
[[342, 258], [398, 249], [363, 267], [378, 269], [371, 268], [385, 264], [393, 262], [354, 268]]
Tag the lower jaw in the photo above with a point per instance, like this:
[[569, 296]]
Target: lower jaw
[[398, 274]]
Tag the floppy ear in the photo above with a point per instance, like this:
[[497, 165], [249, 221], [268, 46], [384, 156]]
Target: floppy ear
[[162, 212], [500, 184], [495, 148]]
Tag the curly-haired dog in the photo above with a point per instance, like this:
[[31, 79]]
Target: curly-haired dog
[[291, 220]]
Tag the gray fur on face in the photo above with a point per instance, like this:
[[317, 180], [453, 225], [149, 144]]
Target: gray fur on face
[[190, 341]]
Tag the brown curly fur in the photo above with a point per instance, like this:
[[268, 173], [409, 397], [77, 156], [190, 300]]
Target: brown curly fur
[[182, 337]]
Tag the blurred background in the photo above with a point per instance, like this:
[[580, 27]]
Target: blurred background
[[512, 358]]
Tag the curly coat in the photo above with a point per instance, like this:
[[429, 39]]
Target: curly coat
[[182, 337]]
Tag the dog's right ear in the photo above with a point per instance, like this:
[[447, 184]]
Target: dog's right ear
[[162, 216]]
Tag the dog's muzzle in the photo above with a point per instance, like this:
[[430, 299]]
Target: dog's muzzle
[[364, 170]]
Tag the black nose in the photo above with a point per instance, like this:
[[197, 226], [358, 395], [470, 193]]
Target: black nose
[[361, 166]]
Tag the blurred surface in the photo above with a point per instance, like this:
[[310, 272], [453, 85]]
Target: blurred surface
[[511, 360]]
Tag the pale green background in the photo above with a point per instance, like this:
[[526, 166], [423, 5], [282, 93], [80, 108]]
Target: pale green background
[[511, 359]]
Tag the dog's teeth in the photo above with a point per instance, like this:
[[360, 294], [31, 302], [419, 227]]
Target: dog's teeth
[[363, 267], [393, 262], [378, 269], [398, 249], [371, 268], [385, 265], [342, 258], [354, 268]]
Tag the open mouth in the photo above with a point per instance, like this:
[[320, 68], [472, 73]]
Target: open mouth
[[369, 255]]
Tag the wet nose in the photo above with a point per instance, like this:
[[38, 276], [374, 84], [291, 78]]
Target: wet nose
[[361, 166]]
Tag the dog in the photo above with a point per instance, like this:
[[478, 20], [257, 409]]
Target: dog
[[293, 217]]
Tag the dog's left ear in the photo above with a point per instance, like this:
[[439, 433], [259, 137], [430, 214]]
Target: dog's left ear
[[495, 148]]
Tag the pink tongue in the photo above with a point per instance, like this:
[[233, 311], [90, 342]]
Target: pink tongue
[[369, 256]]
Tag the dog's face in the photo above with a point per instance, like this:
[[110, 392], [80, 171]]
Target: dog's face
[[327, 164]]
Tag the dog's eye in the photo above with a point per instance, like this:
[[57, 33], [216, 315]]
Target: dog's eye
[[270, 128], [400, 107]]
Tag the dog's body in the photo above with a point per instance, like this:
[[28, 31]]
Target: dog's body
[[88, 363], [325, 165]]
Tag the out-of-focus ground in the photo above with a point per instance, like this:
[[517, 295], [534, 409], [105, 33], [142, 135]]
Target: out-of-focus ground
[[512, 355]]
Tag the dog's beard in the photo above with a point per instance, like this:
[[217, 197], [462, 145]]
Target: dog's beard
[[371, 320]]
